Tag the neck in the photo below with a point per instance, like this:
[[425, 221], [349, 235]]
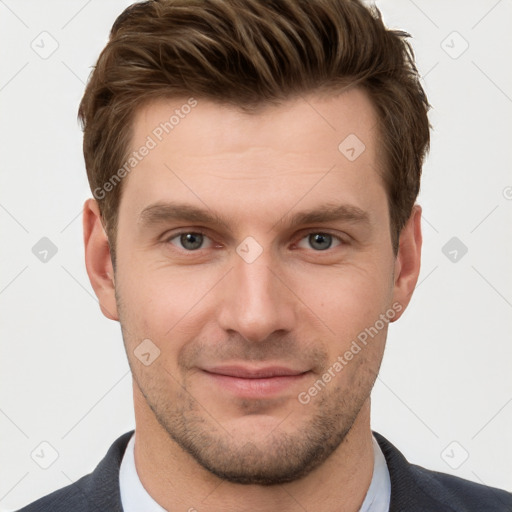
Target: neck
[[175, 480]]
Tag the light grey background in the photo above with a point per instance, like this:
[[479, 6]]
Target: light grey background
[[444, 396]]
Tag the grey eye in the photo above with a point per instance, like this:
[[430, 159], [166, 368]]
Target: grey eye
[[320, 241], [189, 241]]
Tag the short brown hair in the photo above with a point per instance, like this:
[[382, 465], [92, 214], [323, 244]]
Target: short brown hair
[[250, 53]]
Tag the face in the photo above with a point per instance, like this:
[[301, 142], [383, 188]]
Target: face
[[254, 253]]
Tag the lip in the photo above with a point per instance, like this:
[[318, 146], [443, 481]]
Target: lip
[[254, 382], [245, 372]]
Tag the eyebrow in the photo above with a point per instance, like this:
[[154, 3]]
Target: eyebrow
[[160, 213], [327, 212]]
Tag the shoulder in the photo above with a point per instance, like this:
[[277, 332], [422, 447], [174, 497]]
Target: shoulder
[[416, 488], [67, 498], [461, 494], [98, 490]]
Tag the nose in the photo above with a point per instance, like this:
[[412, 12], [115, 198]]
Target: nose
[[256, 301]]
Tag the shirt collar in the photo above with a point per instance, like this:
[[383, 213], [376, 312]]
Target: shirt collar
[[134, 496]]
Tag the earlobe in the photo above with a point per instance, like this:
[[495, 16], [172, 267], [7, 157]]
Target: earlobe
[[98, 259], [408, 260]]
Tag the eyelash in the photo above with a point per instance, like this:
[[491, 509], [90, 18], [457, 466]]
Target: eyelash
[[304, 235]]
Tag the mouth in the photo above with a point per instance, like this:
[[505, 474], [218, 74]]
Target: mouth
[[255, 382]]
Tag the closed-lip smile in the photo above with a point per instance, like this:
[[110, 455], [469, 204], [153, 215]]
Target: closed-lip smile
[[244, 372], [254, 382]]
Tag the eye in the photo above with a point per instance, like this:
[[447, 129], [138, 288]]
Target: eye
[[188, 240], [320, 241]]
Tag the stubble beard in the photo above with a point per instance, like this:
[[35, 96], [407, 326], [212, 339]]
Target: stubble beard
[[276, 458]]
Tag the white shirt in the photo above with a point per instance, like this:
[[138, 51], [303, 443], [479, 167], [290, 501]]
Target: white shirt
[[135, 498], [379, 493]]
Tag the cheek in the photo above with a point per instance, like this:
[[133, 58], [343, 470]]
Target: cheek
[[348, 299], [161, 304]]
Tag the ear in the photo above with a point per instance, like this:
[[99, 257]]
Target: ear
[[98, 260], [408, 260]]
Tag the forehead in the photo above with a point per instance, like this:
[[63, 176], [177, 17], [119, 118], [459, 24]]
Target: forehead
[[201, 151], [320, 120]]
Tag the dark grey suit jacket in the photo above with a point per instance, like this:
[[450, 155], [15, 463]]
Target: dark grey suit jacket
[[413, 488]]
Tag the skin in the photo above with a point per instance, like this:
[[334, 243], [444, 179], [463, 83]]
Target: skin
[[198, 444]]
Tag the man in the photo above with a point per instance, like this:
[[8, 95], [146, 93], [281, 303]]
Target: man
[[255, 166]]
